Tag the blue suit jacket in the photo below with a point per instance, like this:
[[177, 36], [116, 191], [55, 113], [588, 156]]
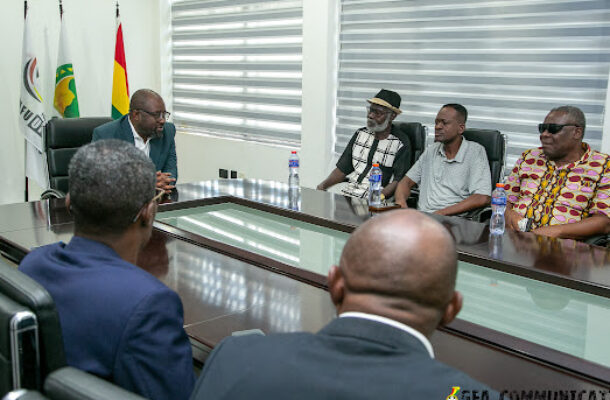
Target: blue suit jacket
[[162, 149], [118, 321], [350, 358]]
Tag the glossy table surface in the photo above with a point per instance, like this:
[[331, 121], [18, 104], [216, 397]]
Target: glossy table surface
[[556, 294], [560, 318]]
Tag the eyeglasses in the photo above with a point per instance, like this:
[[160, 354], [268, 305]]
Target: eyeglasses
[[157, 114], [156, 199], [553, 128], [378, 112]]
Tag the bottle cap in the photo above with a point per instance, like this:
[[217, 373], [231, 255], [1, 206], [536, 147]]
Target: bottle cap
[[499, 185], [294, 152], [376, 165]]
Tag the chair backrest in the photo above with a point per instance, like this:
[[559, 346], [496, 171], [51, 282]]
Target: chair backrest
[[23, 290], [62, 138], [19, 355], [495, 147], [417, 135]]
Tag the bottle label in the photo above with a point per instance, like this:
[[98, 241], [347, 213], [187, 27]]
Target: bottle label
[[498, 201], [375, 178], [293, 163]]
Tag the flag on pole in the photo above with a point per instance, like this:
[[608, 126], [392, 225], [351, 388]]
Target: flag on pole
[[65, 101], [31, 108], [120, 86]]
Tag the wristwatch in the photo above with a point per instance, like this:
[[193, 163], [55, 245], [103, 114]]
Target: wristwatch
[[525, 224]]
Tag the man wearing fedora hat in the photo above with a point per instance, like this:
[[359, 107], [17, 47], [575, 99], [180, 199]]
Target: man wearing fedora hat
[[379, 142]]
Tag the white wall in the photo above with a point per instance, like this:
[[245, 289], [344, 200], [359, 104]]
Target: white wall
[[146, 26], [200, 157], [92, 27]]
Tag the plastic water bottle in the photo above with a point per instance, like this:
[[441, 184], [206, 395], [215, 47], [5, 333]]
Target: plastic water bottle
[[375, 186], [293, 171], [498, 206]]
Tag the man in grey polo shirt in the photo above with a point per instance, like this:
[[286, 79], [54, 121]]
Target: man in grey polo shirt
[[453, 173]]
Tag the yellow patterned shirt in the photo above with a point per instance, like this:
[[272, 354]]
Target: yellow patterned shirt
[[552, 195]]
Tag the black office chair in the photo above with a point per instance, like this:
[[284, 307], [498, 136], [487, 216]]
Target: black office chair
[[23, 290], [494, 143], [19, 366], [62, 137], [70, 383], [60, 381], [24, 394], [417, 135], [73, 384]]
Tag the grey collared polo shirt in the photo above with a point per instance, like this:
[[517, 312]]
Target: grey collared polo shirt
[[443, 182]]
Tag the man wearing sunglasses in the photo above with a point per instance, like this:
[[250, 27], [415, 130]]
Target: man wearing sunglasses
[[118, 321], [147, 128], [380, 141], [561, 189]]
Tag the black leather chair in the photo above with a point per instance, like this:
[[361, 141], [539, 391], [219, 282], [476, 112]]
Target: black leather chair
[[19, 354], [73, 384], [62, 137], [494, 143], [60, 381], [417, 135], [24, 394], [24, 291], [495, 146]]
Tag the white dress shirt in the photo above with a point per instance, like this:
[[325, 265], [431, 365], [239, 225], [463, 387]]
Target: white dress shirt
[[418, 335], [138, 141]]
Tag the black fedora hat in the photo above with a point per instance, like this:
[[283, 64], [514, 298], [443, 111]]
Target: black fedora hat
[[387, 98]]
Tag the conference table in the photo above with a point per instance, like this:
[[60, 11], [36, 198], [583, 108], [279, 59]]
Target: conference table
[[252, 254]]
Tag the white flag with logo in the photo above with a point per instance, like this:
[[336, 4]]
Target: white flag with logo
[[31, 110]]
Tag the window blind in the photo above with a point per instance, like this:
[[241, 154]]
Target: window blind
[[508, 62], [236, 68]]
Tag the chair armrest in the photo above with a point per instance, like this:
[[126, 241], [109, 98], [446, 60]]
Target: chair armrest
[[598, 240], [52, 194], [482, 214], [69, 383], [23, 394]]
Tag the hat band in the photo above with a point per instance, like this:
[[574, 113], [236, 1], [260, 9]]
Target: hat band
[[381, 102]]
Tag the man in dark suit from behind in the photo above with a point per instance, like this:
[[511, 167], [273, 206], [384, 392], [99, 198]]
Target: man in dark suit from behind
[[118, 321], [146, 127], [395, 284]]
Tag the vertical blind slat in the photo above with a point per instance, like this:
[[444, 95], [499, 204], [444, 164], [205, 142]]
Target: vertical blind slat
[[508, 62]]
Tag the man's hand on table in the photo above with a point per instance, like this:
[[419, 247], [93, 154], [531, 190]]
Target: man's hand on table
[[550, 231], [512, 218], [402, 203], [165, 181]]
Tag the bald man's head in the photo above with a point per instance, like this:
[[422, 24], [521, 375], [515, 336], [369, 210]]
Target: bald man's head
[[400, 264]]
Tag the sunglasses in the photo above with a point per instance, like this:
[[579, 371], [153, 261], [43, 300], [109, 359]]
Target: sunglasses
[[553, 128]]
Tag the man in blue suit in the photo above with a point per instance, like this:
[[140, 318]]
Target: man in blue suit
[[118, 321], [394, 285], [147, 128]]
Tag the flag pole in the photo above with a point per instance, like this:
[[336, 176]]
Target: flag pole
[[25, 143]]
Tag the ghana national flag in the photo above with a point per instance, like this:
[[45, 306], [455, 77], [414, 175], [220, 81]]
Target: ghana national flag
[[66, 100], [120, 86]]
